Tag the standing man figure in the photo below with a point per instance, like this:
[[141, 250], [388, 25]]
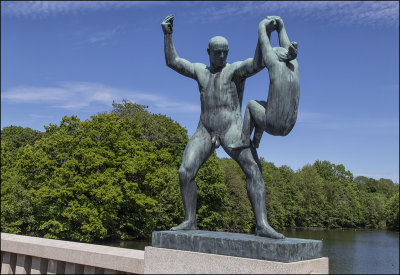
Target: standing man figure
[[221, 88]]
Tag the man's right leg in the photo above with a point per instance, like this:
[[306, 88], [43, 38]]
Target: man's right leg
[[197, 151], [247, 159]]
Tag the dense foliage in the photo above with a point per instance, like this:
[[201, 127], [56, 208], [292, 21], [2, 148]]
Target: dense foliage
[[115, 176]]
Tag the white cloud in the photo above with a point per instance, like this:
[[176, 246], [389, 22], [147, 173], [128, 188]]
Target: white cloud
[[310, 116], [330, 122], [46, 8], [35, 94], [103, 36], [37, 116], [78, 95], [332, 12]]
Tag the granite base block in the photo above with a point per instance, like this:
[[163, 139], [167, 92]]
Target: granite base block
[[171, 261], [239, 245]]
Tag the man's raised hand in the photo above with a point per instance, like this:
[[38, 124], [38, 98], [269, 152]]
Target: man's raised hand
[[278, 20], [167, 24], [269, 23]]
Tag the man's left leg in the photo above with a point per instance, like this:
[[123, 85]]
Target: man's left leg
[[196, 152]]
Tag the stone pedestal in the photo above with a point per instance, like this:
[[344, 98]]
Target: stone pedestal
[[239, 245]]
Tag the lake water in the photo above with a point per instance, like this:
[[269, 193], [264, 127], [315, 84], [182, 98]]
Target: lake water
[[356, 251], [349, 251]]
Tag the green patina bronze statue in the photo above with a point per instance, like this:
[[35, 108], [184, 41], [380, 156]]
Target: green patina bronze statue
[[221, 88]]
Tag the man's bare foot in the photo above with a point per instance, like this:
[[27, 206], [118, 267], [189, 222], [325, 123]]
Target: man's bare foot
[[269, 232], [186, 225], [239, 144]]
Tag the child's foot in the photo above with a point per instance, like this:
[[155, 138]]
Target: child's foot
[[292, 51], [257, 138]]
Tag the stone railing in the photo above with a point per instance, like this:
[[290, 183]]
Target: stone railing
[[30, 255]]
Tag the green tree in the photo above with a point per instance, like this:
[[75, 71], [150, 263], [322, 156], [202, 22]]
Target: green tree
[[311, 199], [156, 128], [374, 196], [16, 137], [95, 179], [212, 196], [17, 215], [239, 214], [16, 208], [275, 194], [392, 212], [343, 204]]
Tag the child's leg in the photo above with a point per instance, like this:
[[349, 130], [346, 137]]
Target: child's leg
[[254, 117], [258, 112]]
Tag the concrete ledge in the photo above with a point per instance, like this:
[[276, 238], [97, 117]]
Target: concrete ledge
[[170, 261], [113, 258]]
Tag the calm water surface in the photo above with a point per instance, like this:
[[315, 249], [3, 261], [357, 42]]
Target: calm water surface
[[356, 251], [349, 251]]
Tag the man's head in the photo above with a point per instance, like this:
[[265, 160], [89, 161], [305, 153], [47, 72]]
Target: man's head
[[218, 51]]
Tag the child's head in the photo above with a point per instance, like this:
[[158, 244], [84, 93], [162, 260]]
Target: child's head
[[286, 55]]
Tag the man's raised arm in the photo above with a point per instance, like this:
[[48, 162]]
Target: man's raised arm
[[252, 66], [172, 59], [265, 28]]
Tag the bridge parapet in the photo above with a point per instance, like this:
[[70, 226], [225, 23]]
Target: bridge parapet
[[32, 255]]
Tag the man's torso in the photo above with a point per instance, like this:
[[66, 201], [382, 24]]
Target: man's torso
[[220, 96]]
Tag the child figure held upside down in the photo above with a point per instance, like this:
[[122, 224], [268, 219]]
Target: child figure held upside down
[[278, 114]]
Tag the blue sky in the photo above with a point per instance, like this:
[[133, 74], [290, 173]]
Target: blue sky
[[75, 58]]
